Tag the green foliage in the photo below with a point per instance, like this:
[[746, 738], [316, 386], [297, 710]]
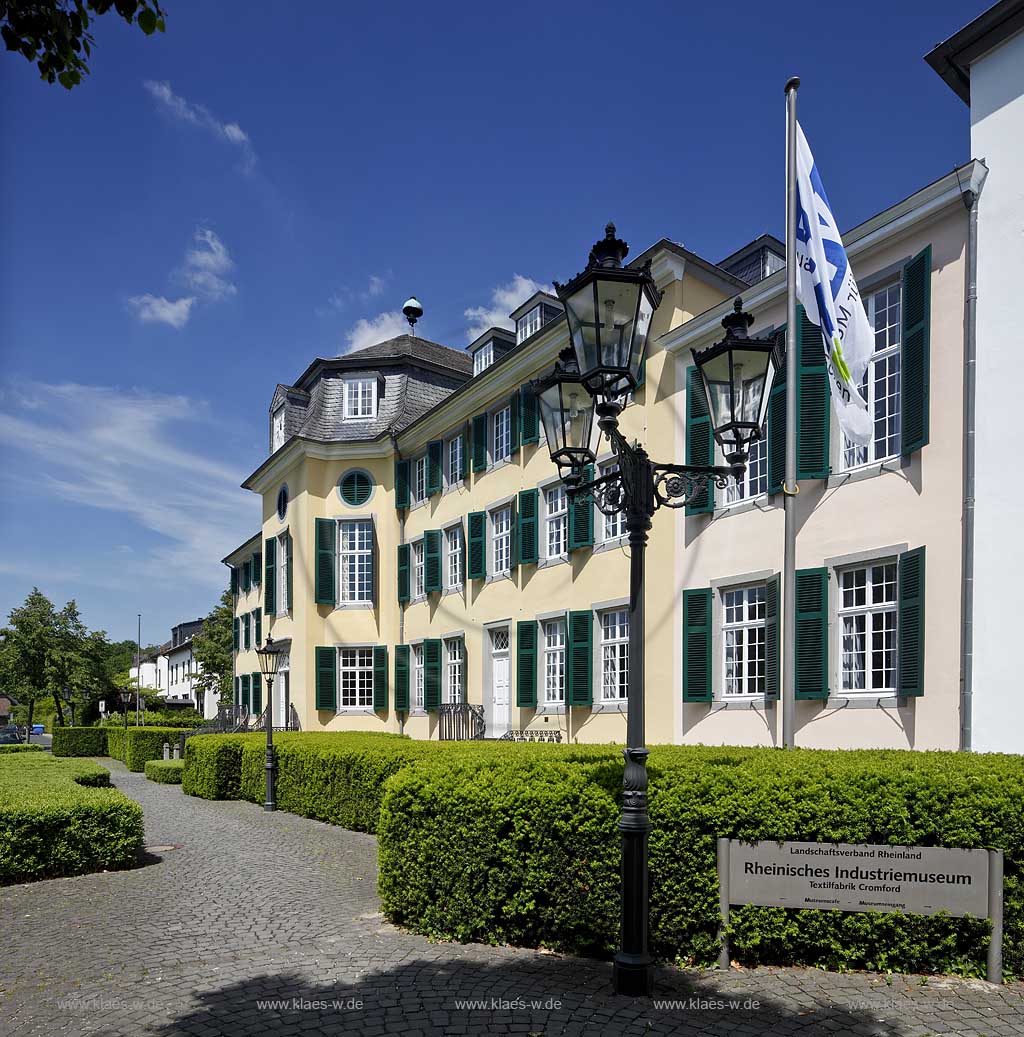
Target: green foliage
[[212, 649], [55, 33], [80, 741], [158, 718], [144, 743], [165, 772], [213, 766], [61, 817], [33, 748]]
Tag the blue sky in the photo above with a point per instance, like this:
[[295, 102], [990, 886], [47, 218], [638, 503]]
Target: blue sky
[[263, 184]]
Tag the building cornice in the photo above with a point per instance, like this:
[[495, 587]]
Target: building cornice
[[905, 216], [253, 541], [298, 449]]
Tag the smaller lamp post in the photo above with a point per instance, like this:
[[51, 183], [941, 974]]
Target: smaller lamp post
[[68, 698], [270, 658], [125, 695]]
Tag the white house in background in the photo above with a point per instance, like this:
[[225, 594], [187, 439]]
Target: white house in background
[[172, 670], [983, 64]]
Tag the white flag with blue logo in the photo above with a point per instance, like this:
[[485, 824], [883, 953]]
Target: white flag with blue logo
[[828, 292]]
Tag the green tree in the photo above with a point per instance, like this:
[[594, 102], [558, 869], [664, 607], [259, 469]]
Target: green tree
[[67, 664], [26, 647], [55, 33], [212, 648]]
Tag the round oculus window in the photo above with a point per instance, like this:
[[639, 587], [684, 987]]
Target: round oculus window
[[282, 502], [355, 487]]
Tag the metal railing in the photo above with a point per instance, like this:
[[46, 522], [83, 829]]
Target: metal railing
[[529, 735], [460, 722]]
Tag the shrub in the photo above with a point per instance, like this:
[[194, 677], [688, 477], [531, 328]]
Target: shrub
[[144, 743], [213, 765], [519, 850], [61, 817], [32, 748], [79, 741], [165, 772]]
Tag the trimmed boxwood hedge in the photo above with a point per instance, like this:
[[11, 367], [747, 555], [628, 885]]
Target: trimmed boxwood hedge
[[165, 772], [61, 817], [144, 743], [213, 765], [30, 748], [80, 741]]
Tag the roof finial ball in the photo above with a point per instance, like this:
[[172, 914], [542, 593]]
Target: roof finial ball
[[413, 311]]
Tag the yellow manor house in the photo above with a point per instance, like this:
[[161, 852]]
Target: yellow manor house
[[421, 566]]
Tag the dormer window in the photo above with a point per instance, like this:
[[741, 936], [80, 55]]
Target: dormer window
[[483, 358], [528, 324], [277, 429], [360, 397]]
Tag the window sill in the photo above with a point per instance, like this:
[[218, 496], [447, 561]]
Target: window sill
[[867, 471], [344, 606], [753, 702], [498, 577], [741, 506], [612, 544], [614, 706], [417, 712], [547, 563], [493, 466], [417, 599], [551, 709], [451, 487], [453, 590], [345, 711], [862, 701]]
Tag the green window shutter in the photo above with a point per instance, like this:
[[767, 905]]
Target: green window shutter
[[257, 693], [246, 638], [435, 464], [432, 561], [477, 546], [529, 423], [915, 350], [776, 421], [466, 438], [291, 570], [529, 505], [526, 663], [380, 677], [326, 540], [910, 624], [813, 402], [246, 575], [513, 539], [401, 484], [697, 645], [245, 690], [238, 691], [403, 573], [432, 673], [811, 649], [700, 442], [269, 576], [257, 622], [580, 669], [327, 678], [235, 627], [480, 443], [257, 566], [234, 580], [581, 515], [771, 639], [402, 678], [514, 430]]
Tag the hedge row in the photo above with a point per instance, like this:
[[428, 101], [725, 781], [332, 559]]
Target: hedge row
[[165, 772], [79, 741], [144, 743], [32, 748], [61, 817]]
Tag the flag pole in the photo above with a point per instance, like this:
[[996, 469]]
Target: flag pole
[[790, 488]]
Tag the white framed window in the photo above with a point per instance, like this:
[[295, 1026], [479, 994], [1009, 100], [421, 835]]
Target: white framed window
[[282, 575], [355, 560], [867, 629], [743, 641], [417, 677], [355, 677], [453, 559], [554, 661], [419, 481], [455, 455], [501, 540], [612, 526], [418, 586], [277, 429], [360, 397], [453, 689], [501, 435], [615, 655], [483, 358], [754, 482], [556, 521], [881, 384], [528, 324]]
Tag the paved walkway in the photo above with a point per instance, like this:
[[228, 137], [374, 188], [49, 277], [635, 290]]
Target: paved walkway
[[250, 908]]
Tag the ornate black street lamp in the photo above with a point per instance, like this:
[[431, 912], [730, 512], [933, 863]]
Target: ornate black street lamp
[[608, 310], [125, 694], [270, 658]]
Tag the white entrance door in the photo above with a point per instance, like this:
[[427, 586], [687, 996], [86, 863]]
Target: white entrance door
[[280, 684], [500, 701]]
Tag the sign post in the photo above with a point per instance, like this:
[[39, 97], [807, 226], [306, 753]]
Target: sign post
[[922, 880]]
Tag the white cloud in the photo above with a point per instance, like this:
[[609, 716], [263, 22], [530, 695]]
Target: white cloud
[[376, 329], [155, 309], [504, 299], [198, 115], [120, 451], [376, 286], [343, 297], [206, 264]]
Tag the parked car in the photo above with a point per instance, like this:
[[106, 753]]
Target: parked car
[[10, 736]]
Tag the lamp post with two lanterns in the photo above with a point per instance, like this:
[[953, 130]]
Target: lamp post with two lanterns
[[270, 659], [608, 309]]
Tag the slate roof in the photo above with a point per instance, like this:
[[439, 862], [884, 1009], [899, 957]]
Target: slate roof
[[416, 348]]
